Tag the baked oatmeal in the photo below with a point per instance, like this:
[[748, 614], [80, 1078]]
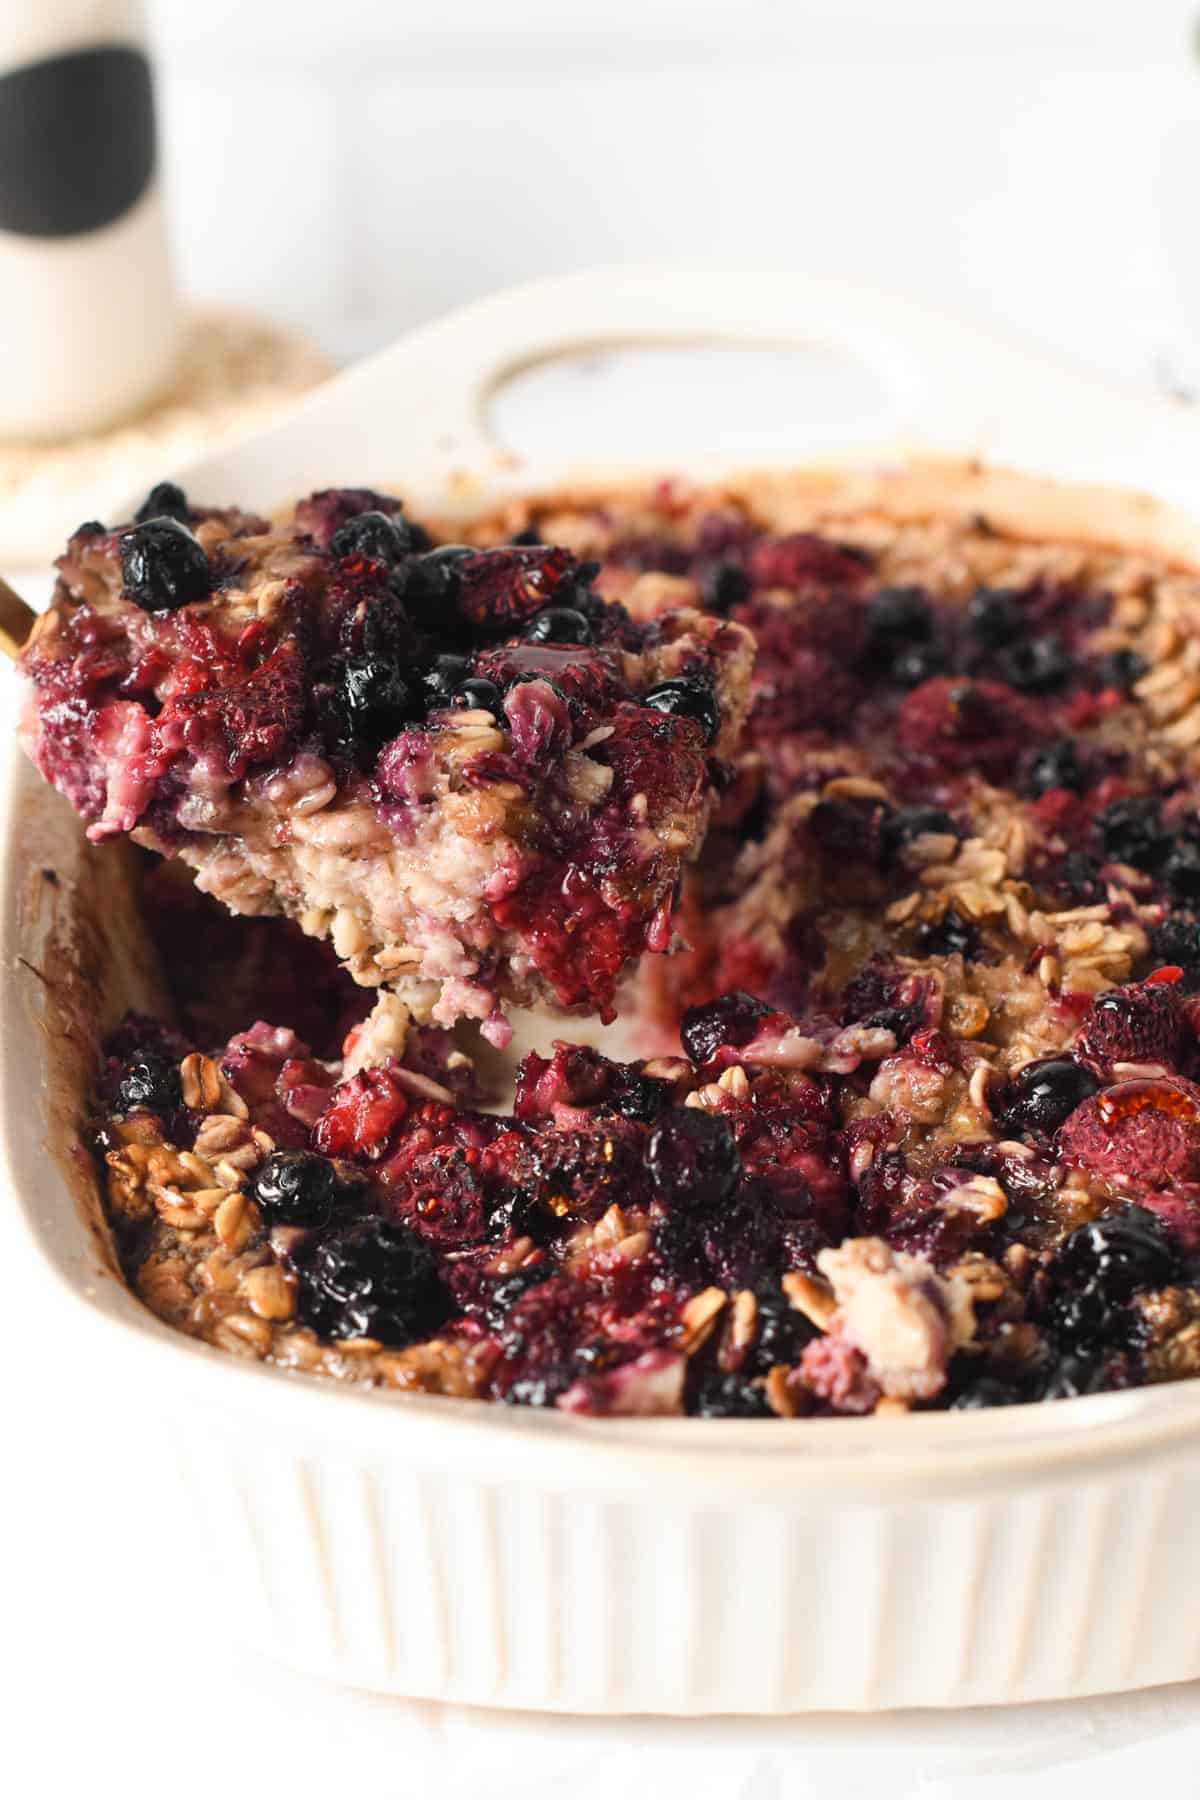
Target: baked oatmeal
[[925, 1128], [479, 779]]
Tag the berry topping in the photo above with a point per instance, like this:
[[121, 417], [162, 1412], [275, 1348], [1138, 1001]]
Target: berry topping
[[559, 625], [724, 585], [373, 1279], [377, 535], [994, 616], [294, 1187], [149, 1082], [1138, 1023], [731, 1019], [164, 501], [1132, 831], [163, 567], [1044, 1093], [897, 618], [375, 700], [1058, 765], [685, 697], [693, 1158], [479, 693], [1181, 871]]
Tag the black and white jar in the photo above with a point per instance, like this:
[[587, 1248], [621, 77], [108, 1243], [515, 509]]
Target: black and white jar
[[89, 318]]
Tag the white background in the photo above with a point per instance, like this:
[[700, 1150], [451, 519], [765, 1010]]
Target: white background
[[353, 168]]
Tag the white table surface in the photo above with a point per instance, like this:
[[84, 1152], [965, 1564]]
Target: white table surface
[[118, 1679]]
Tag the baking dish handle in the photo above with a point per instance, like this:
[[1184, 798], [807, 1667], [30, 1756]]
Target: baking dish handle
[[946, 385]]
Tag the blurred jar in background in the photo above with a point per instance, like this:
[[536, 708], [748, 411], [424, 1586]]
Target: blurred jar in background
[[89, 320]]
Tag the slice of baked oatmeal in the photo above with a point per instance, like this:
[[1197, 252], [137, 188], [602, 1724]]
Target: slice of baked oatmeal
[[480, 780]]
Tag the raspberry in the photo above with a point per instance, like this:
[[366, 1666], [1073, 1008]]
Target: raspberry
[[326, 511], [362, 1116], [440, 1198], [806, 560], [1141, 1022], [961, 724], [499, 590], [1144, 1133]]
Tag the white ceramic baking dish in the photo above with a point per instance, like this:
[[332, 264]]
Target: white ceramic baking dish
[[447, 1549]]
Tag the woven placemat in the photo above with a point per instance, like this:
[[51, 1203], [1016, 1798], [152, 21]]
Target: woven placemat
[[232, 371]]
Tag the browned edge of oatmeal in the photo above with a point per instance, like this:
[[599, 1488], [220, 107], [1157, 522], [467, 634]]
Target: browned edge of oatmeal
[[81, 958]]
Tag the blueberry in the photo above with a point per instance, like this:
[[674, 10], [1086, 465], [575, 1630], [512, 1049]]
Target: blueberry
[[430, 583], [149, 1083], [730, 1019], [994, 616], [912, 667], [373, 1279], [1132, 831], [728, 1396], [162, 566], [477, 693], [164, 501], [1096, 1273], [948, 935], [1056, 766], [724, 585], [558, 625], [693, 1158], [527, 539], [1044, 1093], [687, 698], [296, 1187], [1120, 669], [374, 534], [910, 822], [898, 617], [985, 1392], [1181, 871], [1038, 666], [443, 676], [376, 700], [780, 1331], [1177, 942]]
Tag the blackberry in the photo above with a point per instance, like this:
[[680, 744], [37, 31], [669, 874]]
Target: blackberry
[[1042, 1094], [430, 583], [477, 692], [724, 585], [1120, 669], [1056, 766], [1181, 871], [684, 697], [441, 679], [728, 1396], [850, 830], [373, 1279], [639, 1097], [909, 822], [985, 1392], [1132, 831], [375, 700], [692, 1158], [780, 1332], [1078, 875], [1039, 666], [372, 534], [162, 566], [149, 1083], [948, 935], [508, 1290], [558, 625], [994, 616], [164, 501], [731, 1019], [1177, 941], [297, 1187]]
